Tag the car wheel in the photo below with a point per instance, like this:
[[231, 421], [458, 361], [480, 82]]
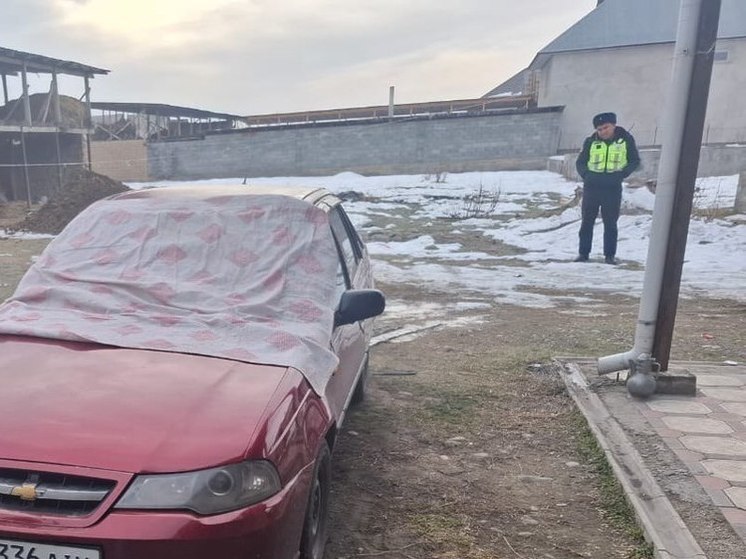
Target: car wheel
[[316, 524], [358, 394]]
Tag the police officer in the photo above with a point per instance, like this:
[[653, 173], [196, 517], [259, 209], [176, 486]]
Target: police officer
[[608, 156]]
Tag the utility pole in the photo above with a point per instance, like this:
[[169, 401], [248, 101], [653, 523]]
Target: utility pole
[[683, 123], [686, 177]]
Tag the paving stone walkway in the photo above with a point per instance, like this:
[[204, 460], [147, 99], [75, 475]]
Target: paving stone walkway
[[708, 434], [680, 459]]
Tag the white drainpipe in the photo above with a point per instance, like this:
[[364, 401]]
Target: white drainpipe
[[673, 129]]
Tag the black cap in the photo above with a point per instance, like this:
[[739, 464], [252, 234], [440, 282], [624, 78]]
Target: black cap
[[603, 118]]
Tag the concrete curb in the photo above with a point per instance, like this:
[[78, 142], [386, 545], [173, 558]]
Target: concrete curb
[[662, 525]]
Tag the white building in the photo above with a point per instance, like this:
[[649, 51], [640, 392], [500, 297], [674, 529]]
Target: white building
[[619, 58]]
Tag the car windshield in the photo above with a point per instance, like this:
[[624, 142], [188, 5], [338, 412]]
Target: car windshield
[[249, 278]]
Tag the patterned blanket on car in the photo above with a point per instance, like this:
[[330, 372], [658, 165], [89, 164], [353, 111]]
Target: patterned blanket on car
[[248, 278]]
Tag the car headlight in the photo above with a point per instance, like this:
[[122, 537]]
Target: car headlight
[[210, 491]]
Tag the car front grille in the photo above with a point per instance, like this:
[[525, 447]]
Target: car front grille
[[51, 493]]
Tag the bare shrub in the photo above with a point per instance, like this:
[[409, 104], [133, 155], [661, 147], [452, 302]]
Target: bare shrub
[[479, 204]]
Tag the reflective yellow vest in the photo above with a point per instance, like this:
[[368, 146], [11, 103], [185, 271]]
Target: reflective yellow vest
[[607, 158]]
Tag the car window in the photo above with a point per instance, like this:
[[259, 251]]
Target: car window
[[349, 250], [356, 242]]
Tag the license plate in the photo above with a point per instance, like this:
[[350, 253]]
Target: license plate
[[10, 549]]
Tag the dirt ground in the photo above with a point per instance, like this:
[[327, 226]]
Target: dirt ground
[[467, 446], [466, 449]]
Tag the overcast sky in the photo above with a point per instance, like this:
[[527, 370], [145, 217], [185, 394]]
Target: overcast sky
[[265, 56]]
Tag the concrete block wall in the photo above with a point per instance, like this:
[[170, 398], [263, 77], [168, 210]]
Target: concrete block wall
[[122, 160], [487, 142]]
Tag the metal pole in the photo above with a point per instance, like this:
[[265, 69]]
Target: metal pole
[[391, 102], [686, 178], [25, 169]]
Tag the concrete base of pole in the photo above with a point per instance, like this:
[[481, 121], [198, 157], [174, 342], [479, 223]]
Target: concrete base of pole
[[740, 205], [678, 382]]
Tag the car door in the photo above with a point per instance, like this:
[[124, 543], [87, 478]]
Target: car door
[[350, 341]]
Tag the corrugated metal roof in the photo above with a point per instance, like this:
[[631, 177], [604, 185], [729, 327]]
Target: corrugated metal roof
[[160, 109], [623, 23], [13, 61], [402, 110]]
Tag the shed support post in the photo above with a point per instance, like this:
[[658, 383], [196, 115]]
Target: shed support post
[[25, 168], [56, 101], [26, 101], [88, 120]]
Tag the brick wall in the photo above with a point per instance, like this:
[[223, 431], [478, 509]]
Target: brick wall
[[494, 142], [124, 160]]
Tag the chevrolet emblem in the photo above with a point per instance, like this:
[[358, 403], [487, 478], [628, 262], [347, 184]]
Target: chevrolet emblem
[[27, 491]]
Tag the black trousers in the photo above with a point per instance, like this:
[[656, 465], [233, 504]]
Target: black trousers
[[609, 201]]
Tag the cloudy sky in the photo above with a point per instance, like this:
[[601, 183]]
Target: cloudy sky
[[265, 56]]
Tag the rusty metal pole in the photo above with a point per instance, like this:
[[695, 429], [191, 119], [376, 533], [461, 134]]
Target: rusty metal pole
[[685, 179]]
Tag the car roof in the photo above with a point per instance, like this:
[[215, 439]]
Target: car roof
[[318, 196]]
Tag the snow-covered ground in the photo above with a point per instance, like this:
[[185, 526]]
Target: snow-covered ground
[[527, 215]]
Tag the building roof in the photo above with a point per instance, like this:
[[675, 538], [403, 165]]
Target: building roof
[[159, 109], [13, 61], [625, 23], [512, 86]]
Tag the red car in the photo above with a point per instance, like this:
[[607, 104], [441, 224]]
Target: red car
[[175, 368]]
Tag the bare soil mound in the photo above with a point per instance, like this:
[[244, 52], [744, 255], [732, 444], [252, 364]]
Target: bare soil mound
[[80, 190], [72, 111]]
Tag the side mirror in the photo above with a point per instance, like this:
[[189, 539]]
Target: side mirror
[[359, 304]]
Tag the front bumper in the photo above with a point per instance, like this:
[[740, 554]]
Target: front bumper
[[268, 530]]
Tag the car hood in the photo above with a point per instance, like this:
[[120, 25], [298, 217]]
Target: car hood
[[128, 410]]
